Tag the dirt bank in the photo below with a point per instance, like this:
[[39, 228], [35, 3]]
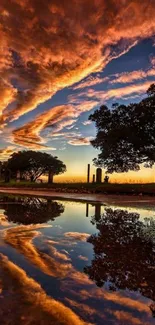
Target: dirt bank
[[125, 200]]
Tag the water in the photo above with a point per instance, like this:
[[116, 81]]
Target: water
[[65, 262]]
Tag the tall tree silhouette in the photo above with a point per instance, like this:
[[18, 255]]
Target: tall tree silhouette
[[124, 252], [126, 135]]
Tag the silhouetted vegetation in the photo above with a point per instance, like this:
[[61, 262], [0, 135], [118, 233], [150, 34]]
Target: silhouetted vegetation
[[126, 135], [124, 252], [30, 210], [33, 164]]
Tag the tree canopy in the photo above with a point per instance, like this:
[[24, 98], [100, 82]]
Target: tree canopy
[[126, 135], [30, 210], [33, 164], [124, 252]]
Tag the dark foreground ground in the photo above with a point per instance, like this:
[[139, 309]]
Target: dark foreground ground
[[121, 189]]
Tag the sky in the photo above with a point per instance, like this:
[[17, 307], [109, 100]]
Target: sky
[[59, 61]]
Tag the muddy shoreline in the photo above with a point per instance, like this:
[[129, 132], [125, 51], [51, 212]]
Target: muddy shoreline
[[119, 200]]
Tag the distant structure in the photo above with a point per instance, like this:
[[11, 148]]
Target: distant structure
[[98, 175], [87, 209], [106, 179], [98, 178], [97, 211], [88, 174]]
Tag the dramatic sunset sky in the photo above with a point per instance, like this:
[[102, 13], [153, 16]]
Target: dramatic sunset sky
[[59, 60]]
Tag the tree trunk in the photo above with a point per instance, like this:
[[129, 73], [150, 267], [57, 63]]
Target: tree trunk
[[32, 179], [18, 176], [7, 176], [49, 204], [50, 177]]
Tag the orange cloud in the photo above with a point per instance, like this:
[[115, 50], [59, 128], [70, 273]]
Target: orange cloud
[[56, 119], [27, 289], [5, 153], [83, 258], [3, 221], [80, 278], [21, 238], [66, 123], [77, 235], [31, 299], [83, 141], [7, 95], [29, 134], [59, 255], [126, 317], [116, 297], [85, 309], [52, 46], [85, 105]]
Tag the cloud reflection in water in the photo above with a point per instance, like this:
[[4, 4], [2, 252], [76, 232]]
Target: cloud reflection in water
[[122, 266]]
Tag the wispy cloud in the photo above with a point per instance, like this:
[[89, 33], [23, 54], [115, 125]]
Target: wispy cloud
[[122, 78], [87, 123], [67, 123], [73, 138], [90, 81], [152, 59], [83, 258], [29, 134], [77, 235], [60, 117], [83, 141], [128, 77], [116, 93], [56, 119]]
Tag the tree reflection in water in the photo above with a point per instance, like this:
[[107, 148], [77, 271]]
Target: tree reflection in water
[[30, 210], [124, 252]]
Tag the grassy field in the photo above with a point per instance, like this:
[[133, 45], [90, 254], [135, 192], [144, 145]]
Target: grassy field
[[132, 189]]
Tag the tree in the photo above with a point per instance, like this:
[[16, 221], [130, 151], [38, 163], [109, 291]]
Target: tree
[[126, 135], [124, 252], [5, 172], [33, 164], [30, 210]]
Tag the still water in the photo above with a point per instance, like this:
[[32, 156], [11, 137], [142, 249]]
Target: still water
[[65, 263]]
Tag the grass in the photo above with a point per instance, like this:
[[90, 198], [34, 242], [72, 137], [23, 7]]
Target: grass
[[111, 188]]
